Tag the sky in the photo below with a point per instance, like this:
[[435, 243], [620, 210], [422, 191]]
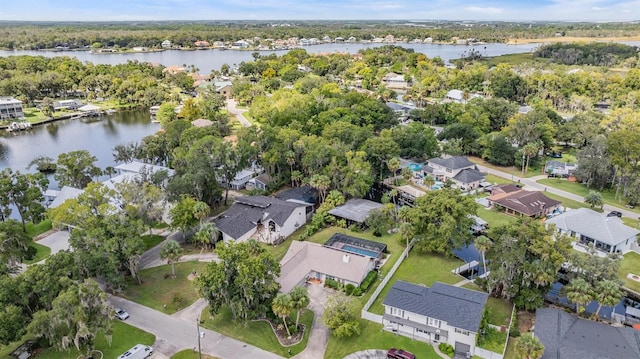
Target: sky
[[502, 10]]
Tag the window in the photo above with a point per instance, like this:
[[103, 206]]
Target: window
[[434, 322], [449, 170], [463, 332]]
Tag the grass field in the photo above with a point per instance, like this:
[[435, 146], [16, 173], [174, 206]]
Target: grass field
[[511, 59], [151, 240], [493, 217], [34, 230], [534, 169], [569, 203], [500, 311], [373, 337], [257, 333], [420, 269], [630, 264], [162, 292], [579, 189], [42, 252], [124, 338], [499, 180], [495, 341], [190, 354]]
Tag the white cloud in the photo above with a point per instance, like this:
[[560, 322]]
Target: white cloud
[[484, 10]]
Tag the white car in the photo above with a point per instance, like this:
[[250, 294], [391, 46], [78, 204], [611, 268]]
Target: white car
[[121, 314]]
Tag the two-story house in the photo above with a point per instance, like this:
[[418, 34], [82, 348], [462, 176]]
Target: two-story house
[[440, 314], [459, 169]]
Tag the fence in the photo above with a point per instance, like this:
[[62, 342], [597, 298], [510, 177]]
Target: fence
[[365, 311]]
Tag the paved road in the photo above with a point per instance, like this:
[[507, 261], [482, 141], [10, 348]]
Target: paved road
[[531, 182], [238, 112], [174, 334]]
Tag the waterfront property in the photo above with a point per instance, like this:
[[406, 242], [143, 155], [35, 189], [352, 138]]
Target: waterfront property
[[440, 314], [307, 261], [10, 108], [265, 219], [516, 201], [586, 226], [566, 336], [72, 104], [355, 210]]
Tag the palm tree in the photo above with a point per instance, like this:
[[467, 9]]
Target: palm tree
[[428, 181], [172, 252], [607, 293], [296, 178], [406, 232], [529, 347], [300, 300], [207, 234], [394, 165], [282, 307], [482, 244], [321, 183], [201, 210], [579, 292], [594, 199]]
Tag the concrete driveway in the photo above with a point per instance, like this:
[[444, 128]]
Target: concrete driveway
[[57, 241], [319, 337]]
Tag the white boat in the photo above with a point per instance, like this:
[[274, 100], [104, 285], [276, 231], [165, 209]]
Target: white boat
[[18, 126], [111, 111]]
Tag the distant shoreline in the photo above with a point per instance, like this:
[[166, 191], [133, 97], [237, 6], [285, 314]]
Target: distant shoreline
[[572, 39]]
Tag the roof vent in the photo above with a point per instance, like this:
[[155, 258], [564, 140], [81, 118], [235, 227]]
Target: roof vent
[[345, 258]]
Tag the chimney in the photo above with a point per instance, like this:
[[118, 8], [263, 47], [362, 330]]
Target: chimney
[[345, 258]]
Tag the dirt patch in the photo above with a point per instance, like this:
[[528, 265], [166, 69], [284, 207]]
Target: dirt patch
[[526, 320], [192, 276]]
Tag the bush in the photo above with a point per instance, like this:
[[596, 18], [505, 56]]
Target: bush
[[332, 283], [349, 288], [514, 333], [31, 253], [357, 291], [446, 349], [368, 280], [355, 228]]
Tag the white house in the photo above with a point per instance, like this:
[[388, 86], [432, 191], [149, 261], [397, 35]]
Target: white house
[[306, 260], [460, 96], [240, 44], [585, 226], [440, 314], [458, 169], [10, 108], [166, 44], [241, 178], [264, 218]]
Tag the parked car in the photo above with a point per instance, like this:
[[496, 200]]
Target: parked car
[[614, 214], [121, 314], [394, 353]]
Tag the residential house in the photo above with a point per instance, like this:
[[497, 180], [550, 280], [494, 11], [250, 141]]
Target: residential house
[[136, 167], [260, 182], [396, 81], [264, 218], [166, 44], [66, 105], [460, 96], [10, 108], [223, 88], [241, 44], [516, 201], [402, 109], [201, 44], [560, 169], [459, 169], [586, 226], [64, 194], [201, 122], [241, 178], [355, 210], [306, 260], [440, 314], [306, 195], [565, 336]]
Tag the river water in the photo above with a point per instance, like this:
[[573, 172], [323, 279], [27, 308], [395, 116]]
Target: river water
[[207, 60]]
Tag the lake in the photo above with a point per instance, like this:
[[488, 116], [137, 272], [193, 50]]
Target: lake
[[98, 135], [207, 60]]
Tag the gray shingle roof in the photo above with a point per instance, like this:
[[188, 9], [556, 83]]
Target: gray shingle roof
[[459, 307], [566, 336], [247, 211], [609, 230], [469, 176], [356, 209], [454, 162]]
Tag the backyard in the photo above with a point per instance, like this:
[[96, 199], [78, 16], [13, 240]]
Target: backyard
[[493, 217], [124, 338], [258, 333], [579, 189], [162, 292], [630, 264]]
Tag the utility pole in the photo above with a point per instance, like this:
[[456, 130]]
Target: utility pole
[[198, 334]]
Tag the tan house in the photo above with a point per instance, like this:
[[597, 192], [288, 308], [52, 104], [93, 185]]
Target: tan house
[[307, 260], [517, 201]]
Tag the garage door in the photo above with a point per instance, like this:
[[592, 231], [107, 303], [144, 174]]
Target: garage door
[[462, 348]]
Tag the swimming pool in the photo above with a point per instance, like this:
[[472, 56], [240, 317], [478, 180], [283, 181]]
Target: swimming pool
[[362, 251], [414, 167]]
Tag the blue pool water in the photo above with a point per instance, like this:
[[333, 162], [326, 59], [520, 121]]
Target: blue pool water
[[415, 167], [361, 251]]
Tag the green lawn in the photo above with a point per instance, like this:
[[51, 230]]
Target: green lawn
[[631, 222], [495, 341], [534, 169], [630, 264], [493, 217], [420, 269], [42, 252], [510, 353], [34, 230], [159, 225], [373, 337], [190, 354], [162, 292], [512, 59], [569, 203], [124, 338], [500, 311], [499, 180], [579, 189], [257, 333], [151, 240]]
